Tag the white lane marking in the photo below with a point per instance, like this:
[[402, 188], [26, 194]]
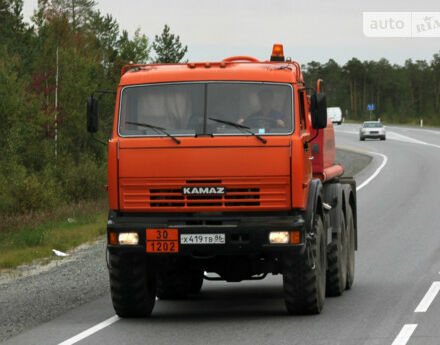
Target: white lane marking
[[397, 137], [404, 334], [404, 138], [428, 298], [90, 331], [378, 170], [432, 145], [418, 129]]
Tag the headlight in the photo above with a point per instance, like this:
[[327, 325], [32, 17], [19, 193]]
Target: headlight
[[279, 237], [283, 237], [131, 238]]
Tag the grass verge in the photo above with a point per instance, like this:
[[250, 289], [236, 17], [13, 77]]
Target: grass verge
[[37, 239]]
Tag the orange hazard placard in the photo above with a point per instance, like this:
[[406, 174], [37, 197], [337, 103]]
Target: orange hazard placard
[[162, 241]]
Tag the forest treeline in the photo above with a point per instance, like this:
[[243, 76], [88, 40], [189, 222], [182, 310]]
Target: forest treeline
[[401, 94], [49, 67]]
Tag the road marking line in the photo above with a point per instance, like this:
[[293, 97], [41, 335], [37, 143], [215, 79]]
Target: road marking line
[[398, 137], [432, 145], [404, 334], [404, 138], [374, 175], [423, 129], [428, 298], [90, 331]]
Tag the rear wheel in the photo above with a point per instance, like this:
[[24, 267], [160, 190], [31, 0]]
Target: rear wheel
[[337, 262], [350, 248], [304, 275], [132, 285], [361, 138]]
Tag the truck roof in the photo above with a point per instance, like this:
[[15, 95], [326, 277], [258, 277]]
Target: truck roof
[[281, 72]]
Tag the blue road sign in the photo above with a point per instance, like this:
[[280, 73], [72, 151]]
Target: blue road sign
[[370, 107]]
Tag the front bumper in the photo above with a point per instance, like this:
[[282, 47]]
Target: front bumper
[[245, 233], [372, 135]]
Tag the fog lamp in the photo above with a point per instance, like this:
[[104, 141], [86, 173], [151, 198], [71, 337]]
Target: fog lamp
[[128, 238], [279, 237]]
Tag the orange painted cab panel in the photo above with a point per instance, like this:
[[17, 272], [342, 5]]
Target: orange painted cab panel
[[255, 175], [112, 175]]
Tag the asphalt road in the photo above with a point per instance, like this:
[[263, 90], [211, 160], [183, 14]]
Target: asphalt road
[[393, 301]]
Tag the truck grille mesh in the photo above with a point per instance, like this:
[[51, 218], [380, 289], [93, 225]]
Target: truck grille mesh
[[233, 197], [166, 195]]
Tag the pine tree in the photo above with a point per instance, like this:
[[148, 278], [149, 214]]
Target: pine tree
[[77, 11], [136, 50], [168, 47]]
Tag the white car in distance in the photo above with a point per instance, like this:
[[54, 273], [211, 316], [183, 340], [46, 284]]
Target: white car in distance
[[372, 129], [335, 114]]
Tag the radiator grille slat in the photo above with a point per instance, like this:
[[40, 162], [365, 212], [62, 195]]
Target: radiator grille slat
[[166, 194]]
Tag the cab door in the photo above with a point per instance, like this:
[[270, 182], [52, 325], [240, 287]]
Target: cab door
[[305, 134]]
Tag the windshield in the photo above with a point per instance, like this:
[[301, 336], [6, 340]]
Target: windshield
[[195, 108], [372, 125]]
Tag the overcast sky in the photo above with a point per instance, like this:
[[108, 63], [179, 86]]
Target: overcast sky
[[310, 30]]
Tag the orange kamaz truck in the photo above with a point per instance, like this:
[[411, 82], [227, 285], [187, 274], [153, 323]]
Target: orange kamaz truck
[[225, 171]]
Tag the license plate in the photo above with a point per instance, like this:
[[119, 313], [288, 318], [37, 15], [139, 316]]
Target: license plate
[[202, 239], [162, 241]]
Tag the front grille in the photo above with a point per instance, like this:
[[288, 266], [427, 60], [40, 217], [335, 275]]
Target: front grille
[[165, 194], [233, 197]]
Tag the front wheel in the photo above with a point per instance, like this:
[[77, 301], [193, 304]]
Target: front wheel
[[304, 276], [132, 285]]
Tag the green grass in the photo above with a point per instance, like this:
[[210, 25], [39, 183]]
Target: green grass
[[25, 244]]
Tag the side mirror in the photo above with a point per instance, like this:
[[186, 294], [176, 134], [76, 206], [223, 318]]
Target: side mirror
[[92, 114], [319, 110]]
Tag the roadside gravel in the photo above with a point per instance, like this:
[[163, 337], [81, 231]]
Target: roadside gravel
[[353, 162], [36, 293], [33, 294]]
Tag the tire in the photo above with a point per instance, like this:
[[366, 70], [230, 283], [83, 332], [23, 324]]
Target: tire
[[304, 285], [133, 288], [337, 256], [382, 138], [362, 139], [172, 285], [351, 248]]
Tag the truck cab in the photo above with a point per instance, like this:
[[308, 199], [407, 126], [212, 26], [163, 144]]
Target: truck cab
[[224, 171]]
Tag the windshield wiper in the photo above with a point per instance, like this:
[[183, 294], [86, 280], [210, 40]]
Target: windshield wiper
[[243, 128], [160, 129]]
